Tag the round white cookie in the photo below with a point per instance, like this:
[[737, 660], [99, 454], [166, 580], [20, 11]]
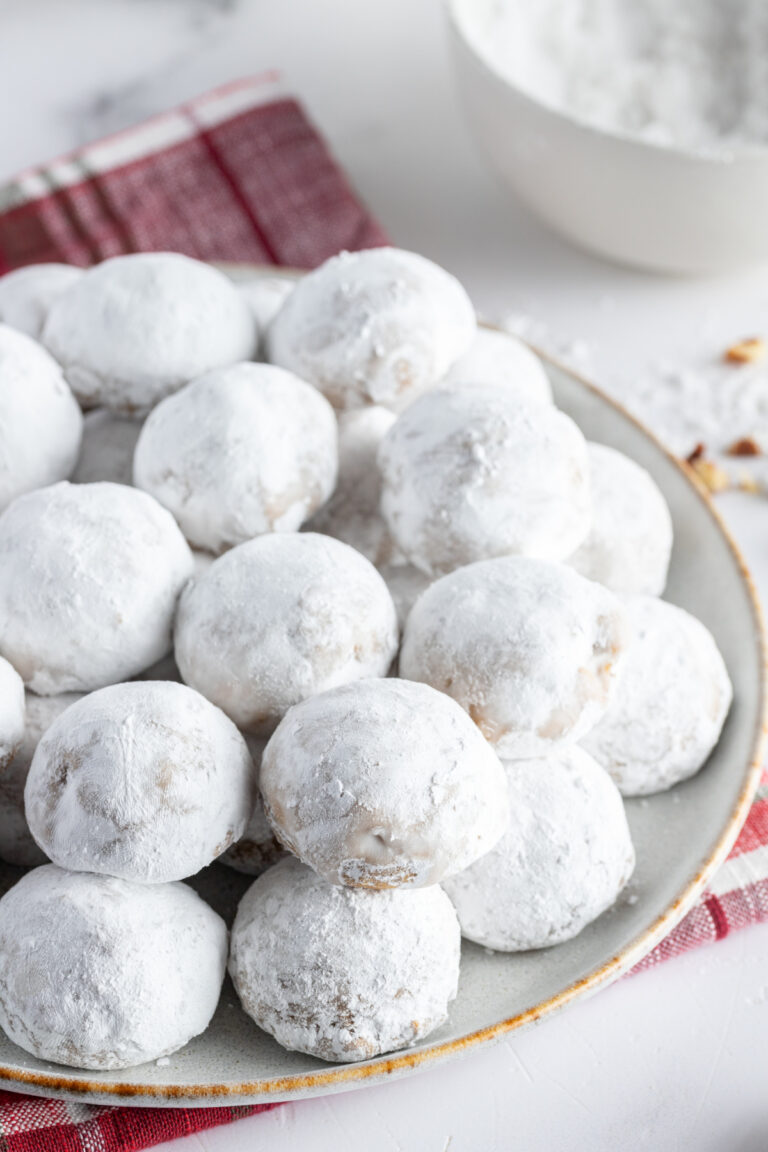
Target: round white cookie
[[11, 711], [340, 974], [100, 973], [383, 784], [40, 423], [26, 294], [498, 358], [470, 472], [529, 649], [109, 441], [670, 704], [373, 327], [241, 451], [565, 857], [89, 578], [630, 541], [352, 514], [136, 328], [17, 844], [147, 781], [281, 618], [258, 848]]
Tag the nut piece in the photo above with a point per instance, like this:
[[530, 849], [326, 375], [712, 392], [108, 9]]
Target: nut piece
[[749, 483], [745, 446], [748, 351], [712, 476]]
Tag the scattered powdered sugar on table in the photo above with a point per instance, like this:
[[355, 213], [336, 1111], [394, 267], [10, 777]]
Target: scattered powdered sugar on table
[[690, 74], [704, 400]]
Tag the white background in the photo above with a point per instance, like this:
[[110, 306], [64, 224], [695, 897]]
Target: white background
[[675, 1058]]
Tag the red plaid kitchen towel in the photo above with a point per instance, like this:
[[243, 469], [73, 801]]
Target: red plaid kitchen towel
[[240, 174]]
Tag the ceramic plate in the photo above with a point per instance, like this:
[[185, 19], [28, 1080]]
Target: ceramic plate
[[681, 836]]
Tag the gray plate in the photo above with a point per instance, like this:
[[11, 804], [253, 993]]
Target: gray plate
[[681, 836]]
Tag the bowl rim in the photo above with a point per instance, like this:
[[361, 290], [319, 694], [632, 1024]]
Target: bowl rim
[[727, 158], [337, 1077]]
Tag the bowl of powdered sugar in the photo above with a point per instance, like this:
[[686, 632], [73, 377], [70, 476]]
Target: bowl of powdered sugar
[[637, 128]]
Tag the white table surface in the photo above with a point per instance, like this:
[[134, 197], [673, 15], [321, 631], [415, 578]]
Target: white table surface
[[670, 1060]]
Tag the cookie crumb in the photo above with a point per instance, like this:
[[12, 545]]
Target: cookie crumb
[[712, 476], [745, 446], [748, 483]]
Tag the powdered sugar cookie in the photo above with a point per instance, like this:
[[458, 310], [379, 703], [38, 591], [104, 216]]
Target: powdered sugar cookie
[[529, 649], [565, 857], [100, 973], [470, 472], [17, 845], [109, 441], [89, 577], [40, 422], [383, 784], [352, 514], [26, 294], [279, 619], [135, 328], [373, 327], [11, 711], [147, 781], [258, 848], [241, 451], [630, 541], [340, 974], [670, 705], [501, 359]]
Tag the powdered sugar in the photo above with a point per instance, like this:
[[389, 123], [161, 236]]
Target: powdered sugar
[[40, 422], [147, 781], [630, 541], [670, 703], [499, 358], [685, 401], [281, 618], [343, 974], [383, 784], [11, 711], [691, 74], [373, 327], [238, 452], [89, 577], [470, 472], [135, 328], [529, 649], [566, 855], [27, 294], [100, 973]]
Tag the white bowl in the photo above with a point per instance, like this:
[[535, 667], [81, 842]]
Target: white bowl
[[634, 202]]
